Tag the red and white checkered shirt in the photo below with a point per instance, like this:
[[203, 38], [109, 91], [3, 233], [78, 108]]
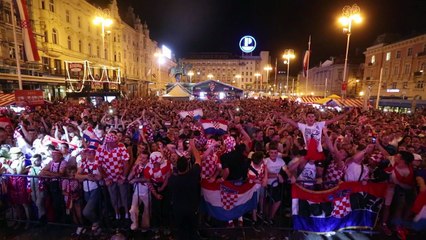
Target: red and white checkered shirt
[[113, 161], [260, 172], [158, 175], [209, 166]]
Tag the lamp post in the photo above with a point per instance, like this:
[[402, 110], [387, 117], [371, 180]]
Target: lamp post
[[257, 75], [288, 55], [104, 21], [349, 14], [356, 87], [190, 74], [267, 68]]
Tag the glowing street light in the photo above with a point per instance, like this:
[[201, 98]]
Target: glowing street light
[[288, 55], [160, 60], [267, 68], [349, 14], [210, 76], [190, 74], [104, 21]]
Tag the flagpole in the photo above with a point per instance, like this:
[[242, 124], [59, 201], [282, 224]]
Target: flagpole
[[307, 68], [276, 70], [17, 52]]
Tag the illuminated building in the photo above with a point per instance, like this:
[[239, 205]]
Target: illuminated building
[[65, 31]]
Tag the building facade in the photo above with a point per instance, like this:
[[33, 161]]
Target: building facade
[[65, 32], [327, 78], [402, 66], [245, 72]]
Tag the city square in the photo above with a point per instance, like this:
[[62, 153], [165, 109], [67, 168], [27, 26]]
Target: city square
[[212, 119]]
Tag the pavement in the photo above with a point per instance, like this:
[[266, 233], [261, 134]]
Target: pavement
[[34, 231]]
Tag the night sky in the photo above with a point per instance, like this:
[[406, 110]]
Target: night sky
[[188, 26]]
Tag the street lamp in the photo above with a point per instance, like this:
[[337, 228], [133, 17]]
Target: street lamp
[[104, 21], [160, 61], [349, 14], [210, 76], [190, 74], [267, 68], [288, 55], [257, 75]]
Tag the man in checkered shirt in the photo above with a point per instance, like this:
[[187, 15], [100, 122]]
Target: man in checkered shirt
[[114, 161]]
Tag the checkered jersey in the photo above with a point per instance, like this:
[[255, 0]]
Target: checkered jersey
[[209, 166], [113, 161], [333, 175], [158, 175]]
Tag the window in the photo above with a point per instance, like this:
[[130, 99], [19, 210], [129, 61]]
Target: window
[[393, 85], [398, 54], [106, 53], [79, 22], [54, 36], [396, 70], [405, 85], [373, 59], [420, 84], [69, 42], [67, 16], [119, 57], [388, 56], [80, 46], [410, 52], [12, 53], [98, 51], [7, 16], [46, 63], [58, 66], [46, 36], [52, 5], [89, 46], [407, 69], [43, 6]]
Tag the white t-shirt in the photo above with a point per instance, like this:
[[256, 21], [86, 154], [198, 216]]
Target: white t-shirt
[[314, 131], [308, 173], [353, 170], [274, 167]]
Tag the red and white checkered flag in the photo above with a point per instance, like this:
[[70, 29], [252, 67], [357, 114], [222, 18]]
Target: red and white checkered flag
[[342, 207], [228, 197]]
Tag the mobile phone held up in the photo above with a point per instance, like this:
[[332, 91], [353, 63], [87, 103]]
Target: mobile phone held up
[[373, 140]]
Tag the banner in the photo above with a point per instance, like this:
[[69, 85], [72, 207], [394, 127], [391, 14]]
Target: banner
[[29, 97], [226, 201], [349, 205]]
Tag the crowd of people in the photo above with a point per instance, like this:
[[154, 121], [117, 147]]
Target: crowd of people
[[60, 161]]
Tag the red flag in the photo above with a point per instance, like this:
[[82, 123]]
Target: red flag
[[306, 63], [27, 32]]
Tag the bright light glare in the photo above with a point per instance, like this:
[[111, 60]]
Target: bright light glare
[[357, 18], [221, 95], [105, 21], [344, 21], [361, 93], [161, 60]]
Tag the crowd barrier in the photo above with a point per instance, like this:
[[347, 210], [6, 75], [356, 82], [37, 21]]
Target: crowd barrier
[[350, 205]]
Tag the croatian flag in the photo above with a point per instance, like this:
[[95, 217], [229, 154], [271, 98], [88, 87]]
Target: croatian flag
[[56, 142], [306, 63], [218, 127], [30, 46], [226, 201], [419, 207], [195, 114], [349, 205], [92, 140]]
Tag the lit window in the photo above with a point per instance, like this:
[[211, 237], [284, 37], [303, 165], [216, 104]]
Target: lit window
[[388, 56], [373, 59]]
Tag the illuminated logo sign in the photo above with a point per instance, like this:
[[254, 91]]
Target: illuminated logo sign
[[247, 44], [390, 90]]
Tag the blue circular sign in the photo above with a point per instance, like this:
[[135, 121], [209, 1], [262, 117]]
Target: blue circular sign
[[247, 44]]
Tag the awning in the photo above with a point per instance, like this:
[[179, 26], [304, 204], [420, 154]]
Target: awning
[[310, 99], [351, 102], [6, 99]]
